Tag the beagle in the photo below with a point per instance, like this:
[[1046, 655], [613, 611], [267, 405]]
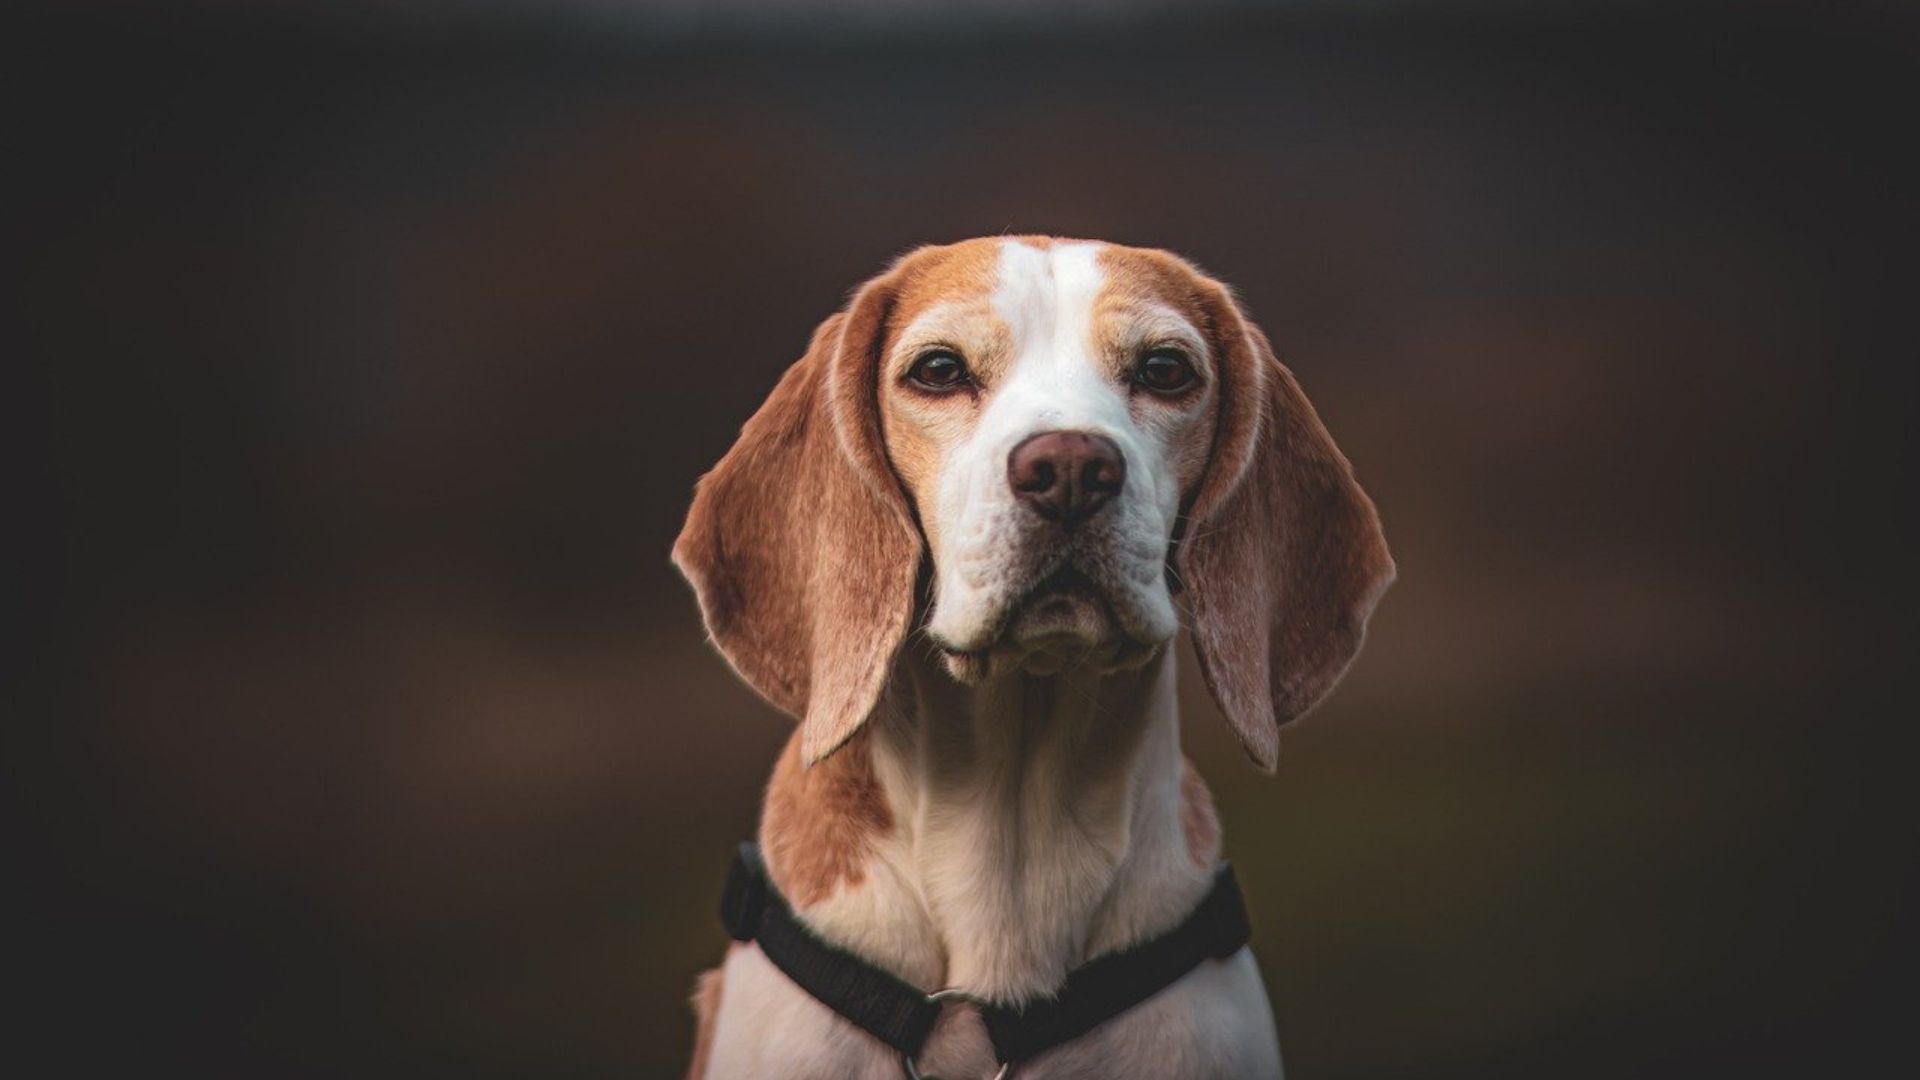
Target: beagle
[[956, 542]]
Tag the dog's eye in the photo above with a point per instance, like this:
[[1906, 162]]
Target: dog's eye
[[1164, 371], [938, 370]]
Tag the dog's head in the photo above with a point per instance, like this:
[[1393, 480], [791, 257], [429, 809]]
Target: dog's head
[[1065, 434]]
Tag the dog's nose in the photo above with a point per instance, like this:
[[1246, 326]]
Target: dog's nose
[[1066, 475]]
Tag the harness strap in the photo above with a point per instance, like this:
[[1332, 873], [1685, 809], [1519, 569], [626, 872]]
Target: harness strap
[[1109, 985], [884, 1006], [902, 1016]]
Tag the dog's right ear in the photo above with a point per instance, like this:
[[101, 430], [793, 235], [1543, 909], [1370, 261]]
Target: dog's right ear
[[800, 543], [1286, 558]]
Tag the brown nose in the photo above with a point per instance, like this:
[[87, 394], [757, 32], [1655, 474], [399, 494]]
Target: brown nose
[[1066, 475]]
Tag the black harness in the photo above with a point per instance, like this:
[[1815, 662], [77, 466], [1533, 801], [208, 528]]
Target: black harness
[[902, 1015]]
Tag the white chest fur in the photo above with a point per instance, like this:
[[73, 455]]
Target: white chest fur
[[1036, 824]]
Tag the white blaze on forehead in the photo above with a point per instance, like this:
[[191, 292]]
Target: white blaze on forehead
[[1046, 296]]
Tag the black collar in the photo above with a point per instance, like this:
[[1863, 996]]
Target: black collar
[[901, 1015]]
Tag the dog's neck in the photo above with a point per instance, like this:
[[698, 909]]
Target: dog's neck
[[994, 837]]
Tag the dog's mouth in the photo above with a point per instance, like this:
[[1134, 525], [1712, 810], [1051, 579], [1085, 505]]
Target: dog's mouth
[[1065, 621]]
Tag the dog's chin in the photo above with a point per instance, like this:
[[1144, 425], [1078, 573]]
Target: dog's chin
[[1064, 623]]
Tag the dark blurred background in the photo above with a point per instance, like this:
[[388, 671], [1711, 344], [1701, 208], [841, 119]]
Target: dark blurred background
[[360, 727]]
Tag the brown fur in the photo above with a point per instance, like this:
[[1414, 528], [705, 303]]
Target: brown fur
[[819, 823], [706, 1007], [1285, 557], [1198, 818], [800, 544], [961, 276], [1138, 281]]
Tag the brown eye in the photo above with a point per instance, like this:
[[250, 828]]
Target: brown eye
[[939, 371], [1165, 371]]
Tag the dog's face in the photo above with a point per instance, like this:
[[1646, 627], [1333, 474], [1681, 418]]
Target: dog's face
[[1048, 409], [1058, 429]]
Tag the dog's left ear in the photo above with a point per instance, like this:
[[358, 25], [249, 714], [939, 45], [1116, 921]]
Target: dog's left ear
[[800, 544], [1283, 558]]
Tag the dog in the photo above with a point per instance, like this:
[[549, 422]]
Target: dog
[[957, 542]]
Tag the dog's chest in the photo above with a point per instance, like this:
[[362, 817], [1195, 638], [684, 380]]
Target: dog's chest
[[1214, 1024]]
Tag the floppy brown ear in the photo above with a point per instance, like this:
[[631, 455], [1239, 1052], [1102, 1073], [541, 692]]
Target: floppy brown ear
[[1283, 558], [800, 544]]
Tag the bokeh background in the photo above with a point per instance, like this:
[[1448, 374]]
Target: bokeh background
[[361, 728]]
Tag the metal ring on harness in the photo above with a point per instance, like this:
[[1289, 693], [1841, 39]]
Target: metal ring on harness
[[951, 993]]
